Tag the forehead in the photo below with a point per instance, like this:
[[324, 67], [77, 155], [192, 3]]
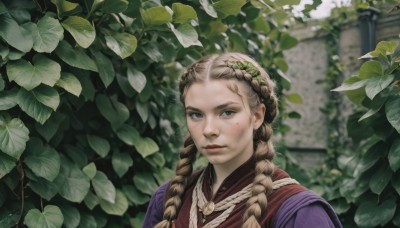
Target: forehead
[[212, 93]]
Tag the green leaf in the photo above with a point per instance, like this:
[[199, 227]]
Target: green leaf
[[43, 70], [380, 179], [44, 161], [100, 145], [50, 128], [146, 147], [294, 98], [136, 78], [81, 29], [50, 218], [396, 183], [225, 8], [7, 163], [114, 6], [65, 7], [156, 16], [392, 109], [143, 110], [186, 35], [75, 57], [34, 108], [376, 84], [394, 155], [134, 195], [121, 162], [287, 2], [118, 208], [8, 99], [105, 67], [371, 69], [356, 96], [115, 112], [208, 8], [70, 83], [16, 36], [183, 13], [382, 48], [48, 34], [13, 136], [371, 214], [103, 187], [145, 183], [156, 160], [287, 41], [152, 50], [45, 189], [73, 183], [72, 217], [372, 155], [123, 44], [128, 134], [90, 170], [351, 84], [91, 200]]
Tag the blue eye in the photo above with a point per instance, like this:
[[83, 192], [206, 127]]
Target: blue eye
[[194, 115], [228, 113]]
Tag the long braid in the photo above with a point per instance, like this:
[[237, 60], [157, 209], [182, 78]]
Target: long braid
[[177, 186]]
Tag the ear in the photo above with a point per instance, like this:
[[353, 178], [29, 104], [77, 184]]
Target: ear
[[258, 116]]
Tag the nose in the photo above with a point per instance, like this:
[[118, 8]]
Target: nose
[[210, 128]]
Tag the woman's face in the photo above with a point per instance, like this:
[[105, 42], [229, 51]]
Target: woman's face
[[220, 122]]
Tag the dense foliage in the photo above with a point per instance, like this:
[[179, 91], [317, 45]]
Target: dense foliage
[[89, 120]]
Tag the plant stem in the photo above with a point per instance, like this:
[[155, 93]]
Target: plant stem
[[22, 197]]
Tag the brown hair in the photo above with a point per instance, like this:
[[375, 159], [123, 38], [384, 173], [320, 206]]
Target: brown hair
[[260, 90]]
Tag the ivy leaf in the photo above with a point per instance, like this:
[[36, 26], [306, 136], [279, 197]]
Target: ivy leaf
[[394, 155], [380, 179], [145, 183], [143, 110], [121, 162], [118, 208], [371, 214], [351, 84], [115, 112], [183, 13], [13, 136], [90, 170], [228, 7], [373, 154], [7, 163], [376, 84], [128, 134], [44, 161], [73, 183], [396, 183], [134, 195], [47, 34], [72, 216], [114, 6], [123, 44], [186, 35], [392, 109], [103, 187], [105, 67], [8, 99], [42, 187], [146, 146], [100, 145], [50, 128], [30, 104], [371, 69], [208, 8], [75, 57], [70, 83], [65, 7], [156, 16], [287, 41], [81, 29], [136, 78], [51, 217], [15, 35], [287, 2], [43, 70], [294, 98], [91, 200]]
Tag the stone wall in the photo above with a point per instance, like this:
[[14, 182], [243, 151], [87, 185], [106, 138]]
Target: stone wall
[[308, 65]]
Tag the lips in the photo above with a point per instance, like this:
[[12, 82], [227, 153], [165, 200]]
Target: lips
[[213, 146]]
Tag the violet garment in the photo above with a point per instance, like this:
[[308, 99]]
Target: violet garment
[[303, 210]]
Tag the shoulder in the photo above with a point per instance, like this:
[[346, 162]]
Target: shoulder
[[306, 209], [155, 209]]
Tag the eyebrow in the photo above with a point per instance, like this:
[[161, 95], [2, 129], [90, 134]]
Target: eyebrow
[[221, 106]]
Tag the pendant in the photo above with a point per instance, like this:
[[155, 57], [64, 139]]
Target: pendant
[[208, 208]]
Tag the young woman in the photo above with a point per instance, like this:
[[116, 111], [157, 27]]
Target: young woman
[[230, 105]]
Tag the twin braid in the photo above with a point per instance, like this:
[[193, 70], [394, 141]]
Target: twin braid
[[184, 169], [264, 153]]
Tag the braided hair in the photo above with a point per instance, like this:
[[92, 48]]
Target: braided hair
[[260, 89]]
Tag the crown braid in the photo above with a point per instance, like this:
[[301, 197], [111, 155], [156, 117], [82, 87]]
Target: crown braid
[[177, 185], [231, 66]]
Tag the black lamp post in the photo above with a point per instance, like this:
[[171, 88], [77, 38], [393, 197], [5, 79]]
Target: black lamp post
[[367, 19]]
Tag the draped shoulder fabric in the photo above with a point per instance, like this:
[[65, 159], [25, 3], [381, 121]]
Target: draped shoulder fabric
[[277, 214]]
